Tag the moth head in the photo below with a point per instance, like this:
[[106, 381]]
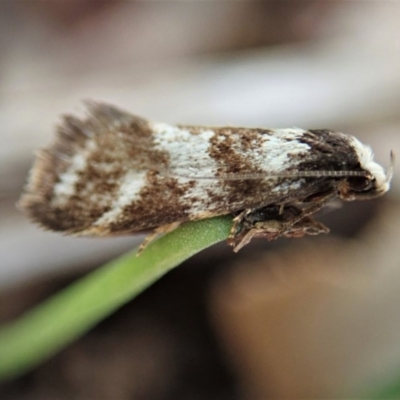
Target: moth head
[[372, 181]]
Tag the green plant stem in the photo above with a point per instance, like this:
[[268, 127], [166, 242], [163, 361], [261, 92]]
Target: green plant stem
[[390, 391], [52, 325]]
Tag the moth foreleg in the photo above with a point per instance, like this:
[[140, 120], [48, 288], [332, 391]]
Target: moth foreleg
[[238, 222], [273, 221], [272, 229]]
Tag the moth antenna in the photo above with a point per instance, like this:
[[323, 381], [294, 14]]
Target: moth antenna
[[294, 174], [390, 169]]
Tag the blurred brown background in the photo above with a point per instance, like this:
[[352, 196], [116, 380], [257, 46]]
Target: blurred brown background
[[311, 318]]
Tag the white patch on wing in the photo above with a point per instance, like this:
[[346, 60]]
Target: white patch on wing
[[278, 151], [186, 150], [65, 187], [131, 185], [189, 152]]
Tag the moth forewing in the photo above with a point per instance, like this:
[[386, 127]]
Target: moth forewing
[[114, 173]]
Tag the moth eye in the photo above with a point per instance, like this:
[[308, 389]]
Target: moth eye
[[360, 183]]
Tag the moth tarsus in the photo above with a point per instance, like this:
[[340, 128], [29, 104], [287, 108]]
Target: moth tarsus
[[113, 173]]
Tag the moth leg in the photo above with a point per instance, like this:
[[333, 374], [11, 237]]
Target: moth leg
[[306, 226], [273, 221], [161, 230], [237, 222], [272, 229], [316, 205], [301, 224], [247, 224]]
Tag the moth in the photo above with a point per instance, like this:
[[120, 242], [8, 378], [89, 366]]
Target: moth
[[112, 173]]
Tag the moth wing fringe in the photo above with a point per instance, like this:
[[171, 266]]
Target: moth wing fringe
[[72, 135]]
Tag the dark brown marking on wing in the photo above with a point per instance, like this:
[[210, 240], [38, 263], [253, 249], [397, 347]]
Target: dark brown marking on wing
[[233, 153], [161, 201], [71, 137], [329, 151], [122, 142]]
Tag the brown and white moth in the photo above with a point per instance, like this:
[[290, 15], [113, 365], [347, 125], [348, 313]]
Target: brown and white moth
[[115, 173]]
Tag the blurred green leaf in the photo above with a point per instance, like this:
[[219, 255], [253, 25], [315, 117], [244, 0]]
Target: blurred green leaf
[[49, 327]]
